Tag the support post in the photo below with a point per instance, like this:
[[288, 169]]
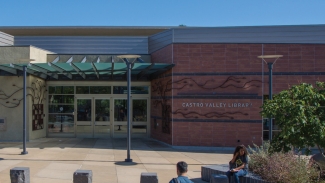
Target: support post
[[24, 110], [128, 64], [270, 65]]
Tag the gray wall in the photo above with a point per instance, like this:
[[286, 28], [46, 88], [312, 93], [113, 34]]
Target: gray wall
[[160, 40], [6, 39], [305, 34], [263, 34], [87, 44]]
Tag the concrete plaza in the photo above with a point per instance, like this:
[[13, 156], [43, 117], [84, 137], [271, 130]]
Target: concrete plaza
[[53, 160]]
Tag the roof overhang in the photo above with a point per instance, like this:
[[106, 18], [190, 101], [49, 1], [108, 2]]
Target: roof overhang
[[87, 71], [83, 30]]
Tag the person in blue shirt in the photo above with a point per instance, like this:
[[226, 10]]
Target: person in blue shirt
[[181, 168], [238, 164]]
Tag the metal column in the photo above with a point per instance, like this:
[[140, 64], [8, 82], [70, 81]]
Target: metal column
[[129, 65], [270, 98], [24, 111]]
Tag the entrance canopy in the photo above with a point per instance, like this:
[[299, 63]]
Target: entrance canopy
[[86, 71]]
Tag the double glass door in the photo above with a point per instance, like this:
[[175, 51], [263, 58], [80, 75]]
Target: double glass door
[[107, 117], [93, 118]]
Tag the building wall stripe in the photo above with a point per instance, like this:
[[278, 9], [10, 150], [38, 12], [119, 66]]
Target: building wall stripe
[[206, 97], [211, 120]]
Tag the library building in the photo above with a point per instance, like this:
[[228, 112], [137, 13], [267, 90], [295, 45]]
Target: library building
[[189, 86]]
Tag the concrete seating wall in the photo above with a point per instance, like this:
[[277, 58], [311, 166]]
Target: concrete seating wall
[[208, 171]]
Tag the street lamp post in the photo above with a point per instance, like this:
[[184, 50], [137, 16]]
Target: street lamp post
[[24, 111], [270, 67], [24, 68], [129, 60]]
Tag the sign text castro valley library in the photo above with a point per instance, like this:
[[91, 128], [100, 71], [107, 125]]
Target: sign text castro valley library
[[220, 104]]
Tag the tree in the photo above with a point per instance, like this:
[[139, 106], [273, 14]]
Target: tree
[[299, 112]]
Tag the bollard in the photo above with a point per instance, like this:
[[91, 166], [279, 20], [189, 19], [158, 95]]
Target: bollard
[[20, 175], [147, 177], [83, 176]]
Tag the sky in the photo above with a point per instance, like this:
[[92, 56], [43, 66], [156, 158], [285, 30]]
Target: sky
[[194, 13]]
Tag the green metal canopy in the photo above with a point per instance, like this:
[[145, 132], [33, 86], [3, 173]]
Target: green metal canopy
[[86, 71]]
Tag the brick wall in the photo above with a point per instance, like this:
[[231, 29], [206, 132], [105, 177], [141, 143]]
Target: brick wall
[[159, 92], [159, 101], [228, 73]]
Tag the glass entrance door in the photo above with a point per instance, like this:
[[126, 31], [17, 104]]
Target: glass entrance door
[[102, 118], [84, 122], [92, 118], [120, 118], [139, 113]]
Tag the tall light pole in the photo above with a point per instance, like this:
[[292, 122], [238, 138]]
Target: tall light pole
[[24, 69], [270, 67], [129, 60]]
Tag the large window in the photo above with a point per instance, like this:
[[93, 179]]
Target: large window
[[96, 109], [61, 108], [140, 110], [93, 90], [275, 129], [134, 90]]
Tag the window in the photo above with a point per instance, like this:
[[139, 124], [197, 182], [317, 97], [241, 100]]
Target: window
[[61, 108], [140, 110], [134, 90], [93, 90], [275, 129]]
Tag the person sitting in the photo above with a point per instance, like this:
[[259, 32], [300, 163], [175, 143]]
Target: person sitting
[[239, 164], [181, 169]]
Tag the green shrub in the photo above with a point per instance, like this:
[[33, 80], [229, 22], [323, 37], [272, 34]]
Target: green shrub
[[281, 167]]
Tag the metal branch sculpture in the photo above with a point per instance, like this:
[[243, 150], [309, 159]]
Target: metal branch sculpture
[[162, 88], [227, 83], [193, 114], [36, 91]]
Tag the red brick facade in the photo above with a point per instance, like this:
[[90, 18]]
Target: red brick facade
[[215, 90]]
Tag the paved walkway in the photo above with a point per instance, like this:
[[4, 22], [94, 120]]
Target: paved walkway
[[53, 160]]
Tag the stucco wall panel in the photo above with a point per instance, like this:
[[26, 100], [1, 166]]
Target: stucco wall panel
[[13, 54], [12, 108], [10, 89], [39, 55]]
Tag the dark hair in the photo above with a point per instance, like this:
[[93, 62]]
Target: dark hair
[[182, 167], [238, 148]]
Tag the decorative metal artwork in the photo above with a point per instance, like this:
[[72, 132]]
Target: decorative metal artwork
[[38, 116], [162, 88], [227, 83], [37, 92], [3, 124], [193, 114]]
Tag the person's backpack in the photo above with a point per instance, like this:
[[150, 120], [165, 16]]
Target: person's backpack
[[175, 180]]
